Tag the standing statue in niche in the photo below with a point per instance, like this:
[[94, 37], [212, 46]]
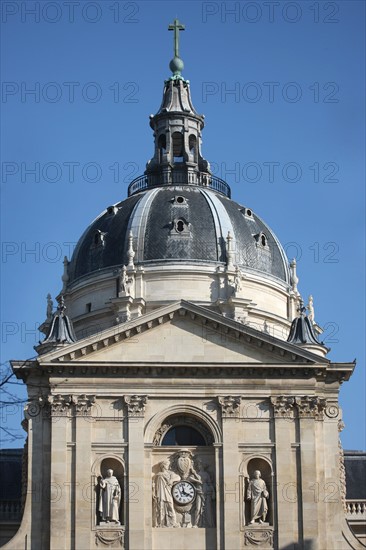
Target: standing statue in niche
[[110, 498], [207, 512], [165, 515], [257, 493]]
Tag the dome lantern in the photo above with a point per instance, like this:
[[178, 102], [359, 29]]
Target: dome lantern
[[177, 126]]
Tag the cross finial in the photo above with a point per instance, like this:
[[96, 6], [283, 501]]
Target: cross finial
[[176, 26]]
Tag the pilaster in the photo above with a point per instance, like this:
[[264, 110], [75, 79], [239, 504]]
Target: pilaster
[[83, 426], [283, 412], [136, 514], [310, 409], [60, 528], [230, 414]]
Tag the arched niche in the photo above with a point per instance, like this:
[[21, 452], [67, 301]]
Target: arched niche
[[247, 468], [184, 446], [99, 470]]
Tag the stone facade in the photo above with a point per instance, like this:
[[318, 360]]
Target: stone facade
[[258, 404]]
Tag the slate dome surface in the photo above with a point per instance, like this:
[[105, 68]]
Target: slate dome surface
[[178, 212], [182, 224]]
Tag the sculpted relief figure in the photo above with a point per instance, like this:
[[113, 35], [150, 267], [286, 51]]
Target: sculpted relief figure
[[257, 493], [110, 498], [193, 484], [207, 512], [165, 515], [182, 495], [237, 280]]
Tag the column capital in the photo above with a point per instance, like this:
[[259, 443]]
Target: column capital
[[135, 404], [309, 406], [283, 406], [230, 405], [83, 404], [60, 404]]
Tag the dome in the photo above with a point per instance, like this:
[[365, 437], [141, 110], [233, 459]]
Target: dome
[[178, 224], [179, 236]]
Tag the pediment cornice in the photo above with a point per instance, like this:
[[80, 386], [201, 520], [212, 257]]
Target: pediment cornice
[[278, 350]]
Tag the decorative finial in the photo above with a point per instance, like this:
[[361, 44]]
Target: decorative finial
[[301, 309], [61, 303], [176, 65], [302, 331], [65, 275], [130, 252], [60, 330], [229, 251], [49, 307], [294, 277], [310, 308]]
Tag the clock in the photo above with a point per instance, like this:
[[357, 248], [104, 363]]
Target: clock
[[183, 492]]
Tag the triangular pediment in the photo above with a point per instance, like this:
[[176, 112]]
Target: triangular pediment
[[181, 333]]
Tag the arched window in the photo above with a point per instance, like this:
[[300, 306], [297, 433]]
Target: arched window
[[162, 146], [177, 147], [180, 226], [183, 435], [183, 429], [192, 145]]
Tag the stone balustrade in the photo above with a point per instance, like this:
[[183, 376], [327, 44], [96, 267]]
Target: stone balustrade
[[356, 509], [10, 510]]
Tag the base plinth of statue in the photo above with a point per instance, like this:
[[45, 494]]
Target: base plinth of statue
[[110, 535], [259, 535]]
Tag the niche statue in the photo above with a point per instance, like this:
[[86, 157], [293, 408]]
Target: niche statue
[[110, 498], [257, 493]]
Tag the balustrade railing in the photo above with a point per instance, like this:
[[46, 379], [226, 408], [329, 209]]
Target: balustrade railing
[[10, 510], [141, 183], [356, 509]]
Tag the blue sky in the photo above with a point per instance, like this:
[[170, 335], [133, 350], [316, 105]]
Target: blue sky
[[281, 85]]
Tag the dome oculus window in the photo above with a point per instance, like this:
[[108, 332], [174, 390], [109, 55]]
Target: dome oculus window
[[261, 239], [99, 238], [179, 201], [181, 226], [247, 213]]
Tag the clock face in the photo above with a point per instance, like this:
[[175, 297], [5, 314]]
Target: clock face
[[183, 492]]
